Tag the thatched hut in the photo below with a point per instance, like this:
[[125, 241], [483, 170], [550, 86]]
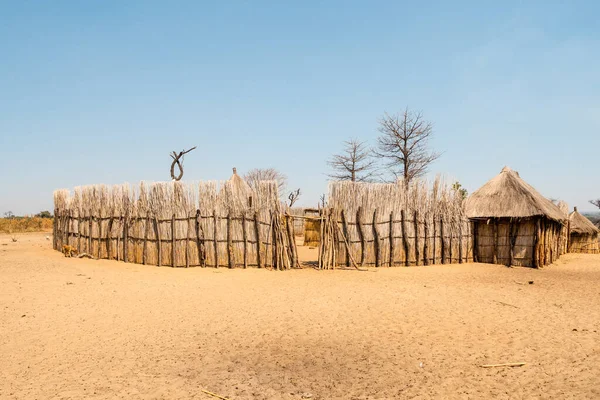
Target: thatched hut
[[241, 191], [583, 235], [513, 224]]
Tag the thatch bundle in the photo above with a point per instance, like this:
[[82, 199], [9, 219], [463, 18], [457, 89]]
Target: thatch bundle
[[513, 223], [583, 234]]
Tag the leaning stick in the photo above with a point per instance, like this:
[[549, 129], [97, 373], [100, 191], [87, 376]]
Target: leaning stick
[[517, 364], [213, 394], [348, 250]]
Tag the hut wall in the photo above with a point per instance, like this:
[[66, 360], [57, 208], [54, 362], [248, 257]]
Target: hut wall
[[584, 243], [494, 241]]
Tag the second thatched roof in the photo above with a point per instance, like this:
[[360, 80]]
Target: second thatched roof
[[580, 224], [509, 196]]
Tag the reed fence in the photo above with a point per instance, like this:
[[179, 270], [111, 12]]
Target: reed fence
[[394, 224], [179, 225]]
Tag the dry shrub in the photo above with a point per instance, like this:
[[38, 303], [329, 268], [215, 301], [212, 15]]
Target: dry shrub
[[25, 224]]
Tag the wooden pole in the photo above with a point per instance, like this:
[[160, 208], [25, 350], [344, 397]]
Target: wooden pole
[[536, 244], [426, 241], [392, 244], [245, 235], [443, 242], [292, 249], [187, 242], [376, 240], [173, 243], [200, 241], [126, 236], [109, 239], [434, 249], [297, 265], [145, 248], [89, 249], [216, 238], [475, 229], [460, 242], [230, 255], [361, 235], [416, 228], [99, 238], [158, 242], [346, 236], [258, 244], [404, 238], [79, 249]]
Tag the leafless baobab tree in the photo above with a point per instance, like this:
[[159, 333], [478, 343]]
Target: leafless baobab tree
[[355, 163], [256, 175], [404, 145], [595, 202]]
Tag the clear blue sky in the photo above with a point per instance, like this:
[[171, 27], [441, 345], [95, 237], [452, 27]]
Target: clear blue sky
[[102, 91]]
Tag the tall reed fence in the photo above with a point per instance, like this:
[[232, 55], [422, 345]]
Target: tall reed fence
[[374, 224], [207, 224]]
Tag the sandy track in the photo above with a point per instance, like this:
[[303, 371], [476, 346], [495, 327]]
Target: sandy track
[[75, 328]]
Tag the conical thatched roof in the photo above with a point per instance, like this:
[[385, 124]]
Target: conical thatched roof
[[509, 196], [238, 183], [580, 224]]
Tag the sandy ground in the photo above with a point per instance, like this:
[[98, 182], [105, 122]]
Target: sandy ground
[[76, 328]]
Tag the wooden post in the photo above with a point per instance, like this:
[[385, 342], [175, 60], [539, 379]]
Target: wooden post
[[404, 238], [109, 239], [495, 260], [443, 242], [200, 241], [347, 236], [416, 228], [258, 244], [145, 249], [245, 234], [460, 242], [89, 249], [158, 242], [392, 244], [361, 236], [216, 238], [55, 230], [187, 241], [434, 249], [297, 265], [292, 249], [126, 236], [451, 243], [173, 243], [376, 242], [426, 241], [230, 255], [536, 244], [99, 237], [79, 249]]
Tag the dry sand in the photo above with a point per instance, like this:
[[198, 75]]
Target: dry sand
[[76, 328]]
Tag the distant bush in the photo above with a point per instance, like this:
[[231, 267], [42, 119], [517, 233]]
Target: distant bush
[[25, 224], [44, 214]]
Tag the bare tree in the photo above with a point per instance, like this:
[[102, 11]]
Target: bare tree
[[256, 175], [293, 197], [595, 202], [404, 145], [355, 163]]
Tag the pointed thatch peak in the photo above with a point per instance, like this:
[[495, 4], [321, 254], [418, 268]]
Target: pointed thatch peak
[[509, 196], [580, 224], [238, 183]]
